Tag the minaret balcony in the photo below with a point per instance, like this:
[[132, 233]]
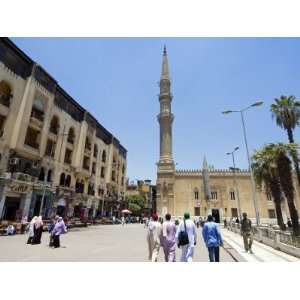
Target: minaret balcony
[[165, 116]]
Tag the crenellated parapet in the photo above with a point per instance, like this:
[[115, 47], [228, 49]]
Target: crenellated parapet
[[211, 172]]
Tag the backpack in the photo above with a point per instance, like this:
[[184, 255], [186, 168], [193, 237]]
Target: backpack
[[183, 238]]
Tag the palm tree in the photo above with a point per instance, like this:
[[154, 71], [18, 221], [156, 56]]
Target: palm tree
[[283, 162], [286, 112], [266, 175]]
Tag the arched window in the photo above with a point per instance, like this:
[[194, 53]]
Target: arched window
[[49, 176], [71, 135], [62, 179], [95, 151], [42, 175], [196, 194], [88, 144], [232, 195], [54, 125], [104, 156], [68, 181], [38, 108], [5, 93]]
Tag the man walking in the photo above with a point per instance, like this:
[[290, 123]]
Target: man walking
[[247, 233], [212, 238], [169, 239], [153, 238], [189, 227]]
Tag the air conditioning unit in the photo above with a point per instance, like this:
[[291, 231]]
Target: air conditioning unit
[[14, 161]]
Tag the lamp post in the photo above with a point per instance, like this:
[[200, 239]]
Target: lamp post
[[235, 182], [255, 104]]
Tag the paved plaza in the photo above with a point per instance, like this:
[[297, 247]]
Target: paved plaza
[[110, 243]]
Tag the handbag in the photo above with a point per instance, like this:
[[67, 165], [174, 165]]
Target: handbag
[[183, 238]]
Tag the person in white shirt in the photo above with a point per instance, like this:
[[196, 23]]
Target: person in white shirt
[[153, 238], [190, 228]]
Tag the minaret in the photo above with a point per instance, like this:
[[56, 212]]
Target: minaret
[[165, 119], [205, 176]]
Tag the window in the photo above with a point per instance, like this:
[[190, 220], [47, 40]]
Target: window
[[102, 172], [71, 136], [123, 169], [2, 121], [214, 195], [68, 181], [37, 110], [54, 125], [5, 93], [113, 176], [68, 156], [196, 194], [32, 138], [91, 190], [104, 156], [49, 176], [94, 168], [95, 151], [88, 144], [50, 148], [79, 187], [234, 213], [269, 196], [62, 179], [42, 175], [271, 213], [86, 163], [197, 211], [232, 195]]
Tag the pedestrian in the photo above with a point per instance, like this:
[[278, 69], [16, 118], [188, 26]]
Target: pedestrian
[[237, 221], [225, 223], [59, 228], [289, 223], [24, 222], [10, 229], [31, 230], [123, 220], [153, 238], [38, 230], [212, 238], [169, 239], [114, 219], [247, 233], [188, 227]]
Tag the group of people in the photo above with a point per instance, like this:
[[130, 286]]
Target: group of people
[[167, 235], [56, 227]]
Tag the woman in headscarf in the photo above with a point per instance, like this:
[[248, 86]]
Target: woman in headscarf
[[38, 230], [59, 228], [31, 230]]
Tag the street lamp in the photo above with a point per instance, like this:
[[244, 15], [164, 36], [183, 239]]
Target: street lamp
[[255, 104], [235, 182]]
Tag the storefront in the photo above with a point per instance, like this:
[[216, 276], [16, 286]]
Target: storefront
[[41, 203], [15, 198]]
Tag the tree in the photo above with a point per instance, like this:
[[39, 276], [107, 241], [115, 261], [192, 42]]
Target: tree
[[135, 203], [286, 112], [283, 152], [266, 175]]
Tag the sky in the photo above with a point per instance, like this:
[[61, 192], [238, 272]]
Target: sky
[[116, 79]]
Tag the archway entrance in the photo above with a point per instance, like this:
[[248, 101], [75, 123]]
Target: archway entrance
[[216, 215]]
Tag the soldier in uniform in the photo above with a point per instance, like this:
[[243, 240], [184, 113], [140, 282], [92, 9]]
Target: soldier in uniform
[[247, 233]]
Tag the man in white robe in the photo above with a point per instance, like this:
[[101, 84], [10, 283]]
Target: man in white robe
[[154, 238], [190, 227]]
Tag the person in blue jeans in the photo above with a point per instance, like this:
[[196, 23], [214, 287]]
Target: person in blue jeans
[[212, 238]]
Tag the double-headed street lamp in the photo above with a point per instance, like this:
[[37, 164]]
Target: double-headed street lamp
[[258, 103], [235, 182]]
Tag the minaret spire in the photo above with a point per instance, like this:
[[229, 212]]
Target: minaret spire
[[165, 117], [165, 66]]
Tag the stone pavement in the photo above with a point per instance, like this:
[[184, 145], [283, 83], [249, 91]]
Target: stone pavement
[[262, 253], [110, 243]]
